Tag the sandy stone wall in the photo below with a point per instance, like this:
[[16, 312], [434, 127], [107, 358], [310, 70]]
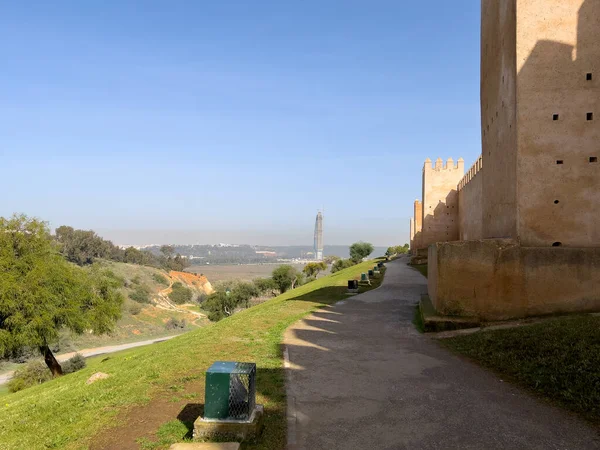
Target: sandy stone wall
[[440, 201], [498, 279], [558, 45], [499, 117], [470, 208]]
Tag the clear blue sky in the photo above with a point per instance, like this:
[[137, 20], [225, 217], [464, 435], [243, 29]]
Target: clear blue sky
[[233, 121]]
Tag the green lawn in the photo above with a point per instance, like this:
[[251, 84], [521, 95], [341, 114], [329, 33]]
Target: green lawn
[[67, 413], [558, 359]]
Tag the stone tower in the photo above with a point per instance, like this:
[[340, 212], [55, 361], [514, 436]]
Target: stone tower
[[440, 202], [540, 120]]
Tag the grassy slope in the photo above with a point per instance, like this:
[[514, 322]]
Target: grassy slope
[[558, 359], [66, 413]]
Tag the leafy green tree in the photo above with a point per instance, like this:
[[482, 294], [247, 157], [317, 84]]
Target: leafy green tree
[[219, 305], [266, 286], [331, 259], [397, 250], [41, 293], [180, 294], [82, 247], [243, 292], [360, 250], [167, 250], [341, 264], [286, 277], [312, 269]]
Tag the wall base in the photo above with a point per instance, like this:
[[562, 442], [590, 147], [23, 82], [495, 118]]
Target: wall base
[[497, 279]]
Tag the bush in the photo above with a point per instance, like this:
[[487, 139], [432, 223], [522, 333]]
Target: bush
[[180, 294], [266, 286], [135, 309], [136, 280], [286, 277], [160, 279], [141, 294], [175, 324], [360, 250], [341, 264], [74, 364], [34, 372]]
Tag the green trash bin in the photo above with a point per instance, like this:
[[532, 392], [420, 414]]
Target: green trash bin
[[230, 391], [363, 277]]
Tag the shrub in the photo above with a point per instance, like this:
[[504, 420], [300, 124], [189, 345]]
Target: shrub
[[175, 324], [286, 277], [34, 372], [266, 286], [74, 364], [135, 309], [180, 294], [160, 279], [141, 294], [341, 264], [360, 250], [136, 280]]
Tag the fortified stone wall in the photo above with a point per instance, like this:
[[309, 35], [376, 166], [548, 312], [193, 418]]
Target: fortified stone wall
[[497, 279], [470, 208], [540, 191], [498, 117], [440, 201], [558, 116]]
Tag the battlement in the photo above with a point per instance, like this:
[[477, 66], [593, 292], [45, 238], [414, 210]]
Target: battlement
[[439, 165], [473, 170]]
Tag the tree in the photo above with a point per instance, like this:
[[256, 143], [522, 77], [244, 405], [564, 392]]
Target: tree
[[266, 286], [82, 247], [341, 264], [180, 294], [360, 250], [331, 259], [219, 305], [312, 269], [167, 250], [397, 250], [286, 277], [41, 293]]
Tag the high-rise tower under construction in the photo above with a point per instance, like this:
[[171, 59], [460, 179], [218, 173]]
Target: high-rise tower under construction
[[319, 237]]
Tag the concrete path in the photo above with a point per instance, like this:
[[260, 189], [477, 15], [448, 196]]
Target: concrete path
[[361, 377], [88, 352]]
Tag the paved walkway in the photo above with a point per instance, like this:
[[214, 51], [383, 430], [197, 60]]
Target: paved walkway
[[361, 377]]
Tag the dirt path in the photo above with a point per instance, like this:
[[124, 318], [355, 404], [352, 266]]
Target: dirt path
[[5, 377], [163, 302], [361, 376]]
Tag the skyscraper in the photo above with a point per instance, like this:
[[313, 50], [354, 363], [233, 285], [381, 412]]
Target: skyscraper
[[319, 237]]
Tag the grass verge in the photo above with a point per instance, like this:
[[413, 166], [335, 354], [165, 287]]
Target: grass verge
[[163, 381], [558, 359], [421, 268]]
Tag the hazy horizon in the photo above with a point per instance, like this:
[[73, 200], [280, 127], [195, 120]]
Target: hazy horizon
[[248, 237], [233, 121]]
